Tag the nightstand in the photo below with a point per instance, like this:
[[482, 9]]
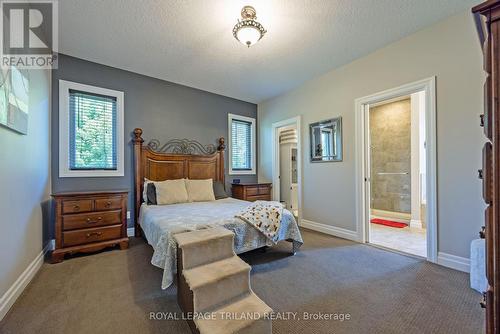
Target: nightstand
[[252, 191], [89, 221]]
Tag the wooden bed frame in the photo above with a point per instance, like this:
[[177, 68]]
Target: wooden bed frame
[[176, 159]]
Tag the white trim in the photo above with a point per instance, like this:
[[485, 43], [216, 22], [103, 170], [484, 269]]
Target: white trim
[[230, 118], [64, 171], [400, 216], [417, 111], [275, 142], [396, 99], [331, 230], [361, 142], [454, 262], [10, 297], [130, 232], [398, 220], [415, 223]]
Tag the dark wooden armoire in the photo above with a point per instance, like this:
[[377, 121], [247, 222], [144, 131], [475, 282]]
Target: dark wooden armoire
[[487, 16]]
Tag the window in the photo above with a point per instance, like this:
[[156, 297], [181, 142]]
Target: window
[[90, 131], [241, 144]]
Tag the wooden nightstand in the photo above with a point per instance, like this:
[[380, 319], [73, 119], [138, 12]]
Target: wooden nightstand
[[252, 191], [89, 221]]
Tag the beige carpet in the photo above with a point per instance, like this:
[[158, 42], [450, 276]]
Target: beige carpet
[[383, 292]]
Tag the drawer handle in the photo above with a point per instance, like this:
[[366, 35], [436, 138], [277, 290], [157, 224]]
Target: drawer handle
[[76, 208], [108, 204], [94, 233], [90, 221]]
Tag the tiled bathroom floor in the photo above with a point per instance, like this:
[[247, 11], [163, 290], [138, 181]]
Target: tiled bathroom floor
[[408, 240]]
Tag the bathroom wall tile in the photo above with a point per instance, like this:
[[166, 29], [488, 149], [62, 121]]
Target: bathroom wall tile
[[390, 137]]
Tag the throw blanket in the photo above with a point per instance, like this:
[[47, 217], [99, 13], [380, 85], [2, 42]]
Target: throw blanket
[[265, 216]]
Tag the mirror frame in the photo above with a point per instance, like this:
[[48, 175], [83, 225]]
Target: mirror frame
[[337, 121]]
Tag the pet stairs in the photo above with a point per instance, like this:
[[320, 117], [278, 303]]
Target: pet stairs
[[214, 285]]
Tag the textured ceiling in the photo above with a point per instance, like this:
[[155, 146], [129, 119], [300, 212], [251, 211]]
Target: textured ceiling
[[190, 42]]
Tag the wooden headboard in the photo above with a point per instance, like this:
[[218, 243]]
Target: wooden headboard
[[177, 159]]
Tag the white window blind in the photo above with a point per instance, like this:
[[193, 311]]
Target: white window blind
[[92, 132], [241, 145]]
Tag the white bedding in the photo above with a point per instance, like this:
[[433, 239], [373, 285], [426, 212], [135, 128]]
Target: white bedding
[[161, 222]]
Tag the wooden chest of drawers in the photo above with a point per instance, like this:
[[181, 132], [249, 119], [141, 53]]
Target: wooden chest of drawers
[[89, 221], [487, 17], [252, 191]]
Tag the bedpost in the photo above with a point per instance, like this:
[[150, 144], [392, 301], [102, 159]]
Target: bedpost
[[221, 148], [138, 181]]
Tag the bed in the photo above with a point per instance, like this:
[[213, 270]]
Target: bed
[[158, 223]]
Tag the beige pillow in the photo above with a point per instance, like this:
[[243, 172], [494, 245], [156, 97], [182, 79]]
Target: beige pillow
[[200, 190], [171, 192]]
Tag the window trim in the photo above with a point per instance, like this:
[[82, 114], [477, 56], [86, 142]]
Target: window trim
[[64, 129], [230, 118]]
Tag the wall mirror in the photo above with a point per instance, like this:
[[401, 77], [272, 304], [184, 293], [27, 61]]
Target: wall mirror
[[326, 140]]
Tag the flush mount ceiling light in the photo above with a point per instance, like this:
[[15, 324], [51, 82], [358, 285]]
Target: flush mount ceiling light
[[248, 31]]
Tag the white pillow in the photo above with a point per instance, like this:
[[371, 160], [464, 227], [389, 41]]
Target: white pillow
[[171, 192], [200, 190]]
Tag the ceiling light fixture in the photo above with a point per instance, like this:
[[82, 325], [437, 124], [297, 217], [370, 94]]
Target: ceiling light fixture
[[248, 31]]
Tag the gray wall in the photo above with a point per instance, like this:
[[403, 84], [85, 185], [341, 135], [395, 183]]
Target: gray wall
[[164, 110]]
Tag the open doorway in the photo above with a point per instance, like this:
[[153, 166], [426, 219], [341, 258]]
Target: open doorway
[[289, 195], [287, 165], [396, 153], [396, 169]]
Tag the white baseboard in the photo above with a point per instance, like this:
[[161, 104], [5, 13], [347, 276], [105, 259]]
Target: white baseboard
[[331, 230], [130, 232], [454, 262], [398, 220], [395, 216], [10, 297], [416, 223]]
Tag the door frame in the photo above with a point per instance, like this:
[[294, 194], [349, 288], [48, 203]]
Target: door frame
[[296, 121], [362, 158]]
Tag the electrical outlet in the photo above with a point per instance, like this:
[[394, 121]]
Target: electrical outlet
[[128, 214]]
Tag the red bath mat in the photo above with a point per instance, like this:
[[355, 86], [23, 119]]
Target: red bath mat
[[388, 223]]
